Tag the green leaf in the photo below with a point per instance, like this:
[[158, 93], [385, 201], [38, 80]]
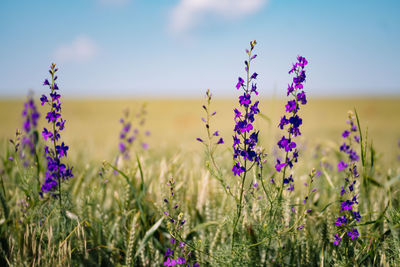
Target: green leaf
[[374, 182], [328, 206], [126, 178], [142, 185], [361, 139], [147, 236]]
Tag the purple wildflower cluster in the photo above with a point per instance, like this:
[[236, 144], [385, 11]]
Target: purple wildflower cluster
[[128, 136], [349, 135], [295, 89], [179, 254], [246, 137], [56, 171], [29, 140], [348, 214], [206, 121]]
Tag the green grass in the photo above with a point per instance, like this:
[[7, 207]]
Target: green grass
[[117, 220]]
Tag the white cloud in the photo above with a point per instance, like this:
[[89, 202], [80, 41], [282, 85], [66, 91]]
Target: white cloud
[[81, 49], [189, 13], [114, 2]]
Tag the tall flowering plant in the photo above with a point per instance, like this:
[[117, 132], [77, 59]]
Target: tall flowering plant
[[245, 138], [56, 171], [128, 136], [180, 254], [348, 214], [30, 116], [212, 141], [292, 122]]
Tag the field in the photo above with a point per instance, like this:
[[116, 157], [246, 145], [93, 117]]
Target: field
[[174, 124], [122, 213]]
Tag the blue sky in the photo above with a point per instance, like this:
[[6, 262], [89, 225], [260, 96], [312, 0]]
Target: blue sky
[[179, 48]]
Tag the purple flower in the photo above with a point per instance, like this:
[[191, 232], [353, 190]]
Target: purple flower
[[170, 262], [345, 134], [145, 146], [290, 89], [122, 147], [43, 99], [244, 100], [353, 155], [346, 205], [337, 240], [357, 216], [342, 165], [169, 252], [61, 150], [344, 147], [283, 122], [254, 76], [279, 165], [181, 260], [353, 234], [240, 83], [343, 191], [237, 169], [291, 106], [341, 221], [220, 141]]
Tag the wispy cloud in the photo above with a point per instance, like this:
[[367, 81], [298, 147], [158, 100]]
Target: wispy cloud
[[81, 49], [190, 13]]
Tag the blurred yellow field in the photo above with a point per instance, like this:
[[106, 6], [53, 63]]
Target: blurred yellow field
[[175, 123]]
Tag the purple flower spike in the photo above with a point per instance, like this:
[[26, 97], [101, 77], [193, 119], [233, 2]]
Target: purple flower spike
[[293, 121], [56, 172], [245, 138], [128, 135], [348, 208]]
